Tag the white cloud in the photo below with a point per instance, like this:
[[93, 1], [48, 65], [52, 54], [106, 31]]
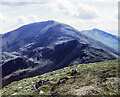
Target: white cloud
[[21, 2], [26, 19], [61, 0], [87, 12], [105, 0], [81, 14], [95, 0], [8, 23], [76, 9]]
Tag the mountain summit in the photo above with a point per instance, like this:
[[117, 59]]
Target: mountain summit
[[49, 32]]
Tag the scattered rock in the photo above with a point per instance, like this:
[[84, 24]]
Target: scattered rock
[[74, 71], [38, 84], [73, 77], [32, 88], [62, 80], [14, 93], [48, 80], [41, 92], [103, 80], [20, 87]]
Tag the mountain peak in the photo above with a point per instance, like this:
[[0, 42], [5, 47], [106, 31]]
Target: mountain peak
[[51, 21], [95, 29], [43, 22]]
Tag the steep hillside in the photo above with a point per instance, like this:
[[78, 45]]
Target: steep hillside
[[99, 78], [46, 59]]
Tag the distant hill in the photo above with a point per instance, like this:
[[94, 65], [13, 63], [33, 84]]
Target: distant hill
[[104, 37]]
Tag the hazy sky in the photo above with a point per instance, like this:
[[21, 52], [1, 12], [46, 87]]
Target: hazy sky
[[101, 14]]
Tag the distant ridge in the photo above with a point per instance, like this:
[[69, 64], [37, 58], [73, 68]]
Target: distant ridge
[[104, 37]]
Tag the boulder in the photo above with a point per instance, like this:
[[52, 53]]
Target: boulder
[[74, 71]]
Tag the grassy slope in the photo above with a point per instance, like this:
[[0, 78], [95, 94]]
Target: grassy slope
[[101, 76]]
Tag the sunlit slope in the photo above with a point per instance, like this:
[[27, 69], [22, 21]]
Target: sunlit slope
[[99, 78]]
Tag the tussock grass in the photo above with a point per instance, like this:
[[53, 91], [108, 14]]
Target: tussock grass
[[102, 75]]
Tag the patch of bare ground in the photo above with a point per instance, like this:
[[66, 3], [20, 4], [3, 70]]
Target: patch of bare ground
[[85, 90]]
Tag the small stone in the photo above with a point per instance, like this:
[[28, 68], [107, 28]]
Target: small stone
[[74, 71], [62, 81], [14, 93], [20, 87], [32, 88], [41, 92], [73, 77]]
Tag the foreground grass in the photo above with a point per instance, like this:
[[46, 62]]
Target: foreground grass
[[99, 78]]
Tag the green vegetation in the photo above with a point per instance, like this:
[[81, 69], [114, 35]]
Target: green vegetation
[[99, 78]]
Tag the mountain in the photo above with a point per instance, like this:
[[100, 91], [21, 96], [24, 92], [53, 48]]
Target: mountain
[[46, 33], [42, 47], [104, 37]]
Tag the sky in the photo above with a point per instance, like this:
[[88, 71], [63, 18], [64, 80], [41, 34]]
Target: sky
[[80, 14]]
